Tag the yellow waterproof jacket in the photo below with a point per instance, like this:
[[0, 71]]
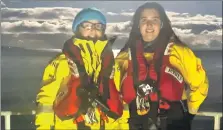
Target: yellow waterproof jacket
[[54, 74], [184, 60]]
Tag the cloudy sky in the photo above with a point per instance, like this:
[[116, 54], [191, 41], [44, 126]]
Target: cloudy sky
[[47, 24]]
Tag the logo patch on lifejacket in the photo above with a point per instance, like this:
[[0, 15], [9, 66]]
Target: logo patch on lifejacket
[[174, 73], [146, 89]]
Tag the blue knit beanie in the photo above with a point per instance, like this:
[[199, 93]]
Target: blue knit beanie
[[88, 14]]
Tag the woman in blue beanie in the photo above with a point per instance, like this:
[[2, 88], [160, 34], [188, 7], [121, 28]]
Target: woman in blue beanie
[[86, 63], [84, 21]]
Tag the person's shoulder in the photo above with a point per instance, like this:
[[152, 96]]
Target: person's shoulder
[[123, 54], [60, 58], [180, 46], [181, 49]]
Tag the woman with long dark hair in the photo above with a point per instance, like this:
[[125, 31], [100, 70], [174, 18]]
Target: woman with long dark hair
[[160, 78]]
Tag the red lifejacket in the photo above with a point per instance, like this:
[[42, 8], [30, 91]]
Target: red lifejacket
[[171, 83]]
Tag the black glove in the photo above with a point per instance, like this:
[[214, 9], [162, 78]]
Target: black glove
[[87, 96]]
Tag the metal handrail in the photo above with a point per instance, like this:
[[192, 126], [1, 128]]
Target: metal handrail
[[7, 114], [217, 118]]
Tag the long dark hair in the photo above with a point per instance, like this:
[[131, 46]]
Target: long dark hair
[[166, 33]]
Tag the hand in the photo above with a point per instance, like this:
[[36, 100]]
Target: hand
[[92, 91], [90, 118], [89, 91], [142, 105], [85, 103], [87, 95]]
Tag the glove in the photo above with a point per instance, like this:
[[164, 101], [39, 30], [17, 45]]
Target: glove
[[84, 100], [142, 105], [89, 117], [87, 96], [142, 98]]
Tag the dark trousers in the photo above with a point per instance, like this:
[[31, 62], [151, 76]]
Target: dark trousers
[[182, 122], [145, 122], [141, 124], [176, 118], [173, 119]]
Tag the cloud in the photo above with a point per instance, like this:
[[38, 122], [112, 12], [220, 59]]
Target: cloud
[[68, 13], [127, 13], [27, 26], [197, 28], [55, 26], [3, 4], [111, 13], [196, 20], [63, 13], [192, 29], [204, 38], [122, 27], [174, 14]]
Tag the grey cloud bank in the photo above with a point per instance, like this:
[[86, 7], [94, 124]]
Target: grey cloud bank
[[196, 30]]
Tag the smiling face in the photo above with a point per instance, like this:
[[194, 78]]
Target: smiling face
[[149, 24]]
